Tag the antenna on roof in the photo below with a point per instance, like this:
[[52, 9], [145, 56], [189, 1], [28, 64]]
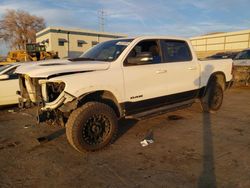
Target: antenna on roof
[[101, 19]]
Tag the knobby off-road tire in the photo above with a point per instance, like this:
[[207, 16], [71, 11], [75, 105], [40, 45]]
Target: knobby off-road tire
[[213, 98], [91, 127]]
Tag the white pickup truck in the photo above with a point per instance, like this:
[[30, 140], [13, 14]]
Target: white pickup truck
[[130, 77]]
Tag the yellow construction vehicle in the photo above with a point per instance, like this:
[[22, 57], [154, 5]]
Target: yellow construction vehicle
[[33, 52], [37, 52]]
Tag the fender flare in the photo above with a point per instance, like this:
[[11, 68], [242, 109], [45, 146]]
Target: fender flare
[[104, 96], [215, 76]]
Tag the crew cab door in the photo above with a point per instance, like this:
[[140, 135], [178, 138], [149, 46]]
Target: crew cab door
[[145, 81], [183, 70]]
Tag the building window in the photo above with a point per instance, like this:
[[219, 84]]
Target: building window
[[80, 43], [61, 42], [94, 43]]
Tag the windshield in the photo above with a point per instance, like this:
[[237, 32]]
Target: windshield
[[106, 51], [4, 67]]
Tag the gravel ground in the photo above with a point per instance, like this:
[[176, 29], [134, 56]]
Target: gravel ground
[[190, 149]]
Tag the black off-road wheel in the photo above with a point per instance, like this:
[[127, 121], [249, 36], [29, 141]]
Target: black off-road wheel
[[91, 127], [213, 98]]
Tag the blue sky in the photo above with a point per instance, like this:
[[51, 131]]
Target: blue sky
[[165, 17]]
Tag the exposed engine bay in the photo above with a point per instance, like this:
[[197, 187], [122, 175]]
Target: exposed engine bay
[[47, 96]]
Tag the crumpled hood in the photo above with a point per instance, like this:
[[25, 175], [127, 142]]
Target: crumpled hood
[[44, 69]]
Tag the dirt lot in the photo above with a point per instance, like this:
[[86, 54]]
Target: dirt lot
[[190, 150]]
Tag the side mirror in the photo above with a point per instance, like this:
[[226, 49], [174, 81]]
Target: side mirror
[[140, 59], [4, 77]]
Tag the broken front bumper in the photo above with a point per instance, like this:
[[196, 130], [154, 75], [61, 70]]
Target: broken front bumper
[[64, 97]]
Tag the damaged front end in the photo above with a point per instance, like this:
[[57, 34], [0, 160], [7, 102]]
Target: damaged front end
[[30, 92], [48, 96]]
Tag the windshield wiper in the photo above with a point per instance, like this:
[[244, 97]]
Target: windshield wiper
[[82, 59]]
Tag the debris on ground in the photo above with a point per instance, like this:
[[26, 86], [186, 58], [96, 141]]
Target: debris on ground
[[174, 117], [148, 139], [146, 142], [11, 111], [28, 126], [26, 114]]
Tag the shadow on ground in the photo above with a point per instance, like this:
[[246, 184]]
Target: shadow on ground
[[123, 126], [207, 178]]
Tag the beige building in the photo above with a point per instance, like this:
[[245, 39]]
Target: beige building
[[72, 42], [221, 42]]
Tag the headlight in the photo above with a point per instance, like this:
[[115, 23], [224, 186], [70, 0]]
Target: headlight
[[51, 90]]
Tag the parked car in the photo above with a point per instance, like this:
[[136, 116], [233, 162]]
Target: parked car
[[223, 55], [9, 84], [122, 78], [243, 58], [241, 65]]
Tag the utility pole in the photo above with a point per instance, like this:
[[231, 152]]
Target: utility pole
[[68, 43], [101, 20]]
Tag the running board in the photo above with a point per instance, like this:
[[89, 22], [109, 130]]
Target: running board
[[161, 110]]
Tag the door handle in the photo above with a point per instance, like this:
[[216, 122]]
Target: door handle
[[192, 68], [161, 71]]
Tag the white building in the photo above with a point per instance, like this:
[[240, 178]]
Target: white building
[[72, 42], [221, 42]]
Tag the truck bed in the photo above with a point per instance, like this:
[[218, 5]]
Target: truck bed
[[208, 67]]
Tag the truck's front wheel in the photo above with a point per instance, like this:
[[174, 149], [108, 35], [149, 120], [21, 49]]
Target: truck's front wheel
[[213, 98], [91, 127]]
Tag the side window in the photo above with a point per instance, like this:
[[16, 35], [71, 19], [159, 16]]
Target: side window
[[244, 55], [145, 52], [176, 51], [248, 54], [11, 73]]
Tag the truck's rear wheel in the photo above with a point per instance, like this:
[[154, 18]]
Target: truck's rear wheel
[[91, 127], [213, 98]]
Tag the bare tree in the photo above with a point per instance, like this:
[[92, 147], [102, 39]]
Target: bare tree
[[18, 28]]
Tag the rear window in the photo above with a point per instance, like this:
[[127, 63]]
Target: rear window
[[243, 55], [176, 51]]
